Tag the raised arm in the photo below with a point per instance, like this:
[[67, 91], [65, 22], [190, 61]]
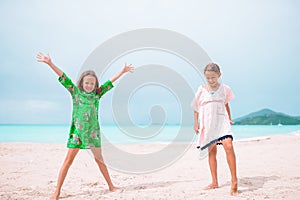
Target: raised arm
[[46, 59], [127, 68]]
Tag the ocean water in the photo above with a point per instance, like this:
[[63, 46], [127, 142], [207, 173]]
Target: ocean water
[[129, 135]]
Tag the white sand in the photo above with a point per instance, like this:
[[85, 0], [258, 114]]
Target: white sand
[[268, 168]]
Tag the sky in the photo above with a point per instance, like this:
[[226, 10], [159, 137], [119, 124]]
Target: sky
[[256, 43]]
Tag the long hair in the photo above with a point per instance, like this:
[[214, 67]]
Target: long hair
[[88, 73]]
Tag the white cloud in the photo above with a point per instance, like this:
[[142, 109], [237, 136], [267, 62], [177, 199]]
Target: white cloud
[[34, 111], [38, 105]]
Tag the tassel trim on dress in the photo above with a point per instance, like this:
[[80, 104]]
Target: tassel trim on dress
[[218, 141]]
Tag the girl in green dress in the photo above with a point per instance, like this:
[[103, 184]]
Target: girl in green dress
[[85, 129]]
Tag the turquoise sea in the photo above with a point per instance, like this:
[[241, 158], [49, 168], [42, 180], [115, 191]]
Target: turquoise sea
[[114, 134]]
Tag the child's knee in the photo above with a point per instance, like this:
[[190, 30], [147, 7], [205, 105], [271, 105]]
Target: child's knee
[[212, 151], [99, 160], [228, 147], [69, 161]]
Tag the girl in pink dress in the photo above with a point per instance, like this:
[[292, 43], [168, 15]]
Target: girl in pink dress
[[212, 110]]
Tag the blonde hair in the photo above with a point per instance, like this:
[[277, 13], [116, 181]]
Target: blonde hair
[[88, 73], [212, 67]]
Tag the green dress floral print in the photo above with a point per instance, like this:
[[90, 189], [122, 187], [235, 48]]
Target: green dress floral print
[[85, 129]]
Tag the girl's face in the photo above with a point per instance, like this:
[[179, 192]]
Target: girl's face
[[212, 78], [89, 83]]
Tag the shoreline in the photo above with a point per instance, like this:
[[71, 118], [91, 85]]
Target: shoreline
[[59, 134], [255, 138], [268, 168]]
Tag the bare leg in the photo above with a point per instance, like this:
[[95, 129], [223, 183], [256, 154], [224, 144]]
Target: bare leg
[[231, 160], [63, 171], [100, 162], [212, 160]]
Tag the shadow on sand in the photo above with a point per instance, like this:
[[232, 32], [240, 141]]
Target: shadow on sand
[[250, 184]]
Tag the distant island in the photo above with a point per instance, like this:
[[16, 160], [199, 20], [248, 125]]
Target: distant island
[[267, 117]]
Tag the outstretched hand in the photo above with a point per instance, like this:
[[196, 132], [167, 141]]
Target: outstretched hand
[[127, 68], [46, 59], [43, 58]]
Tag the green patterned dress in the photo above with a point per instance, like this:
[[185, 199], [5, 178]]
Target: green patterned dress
[[85, 129]]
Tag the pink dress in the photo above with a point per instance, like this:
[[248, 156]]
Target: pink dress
[[214, 120]]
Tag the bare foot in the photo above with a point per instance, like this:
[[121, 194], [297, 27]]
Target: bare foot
[[234, 189], [55, 196], [115, 189], [211, 186]]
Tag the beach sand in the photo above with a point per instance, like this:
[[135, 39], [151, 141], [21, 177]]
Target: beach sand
[[268, 168]]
